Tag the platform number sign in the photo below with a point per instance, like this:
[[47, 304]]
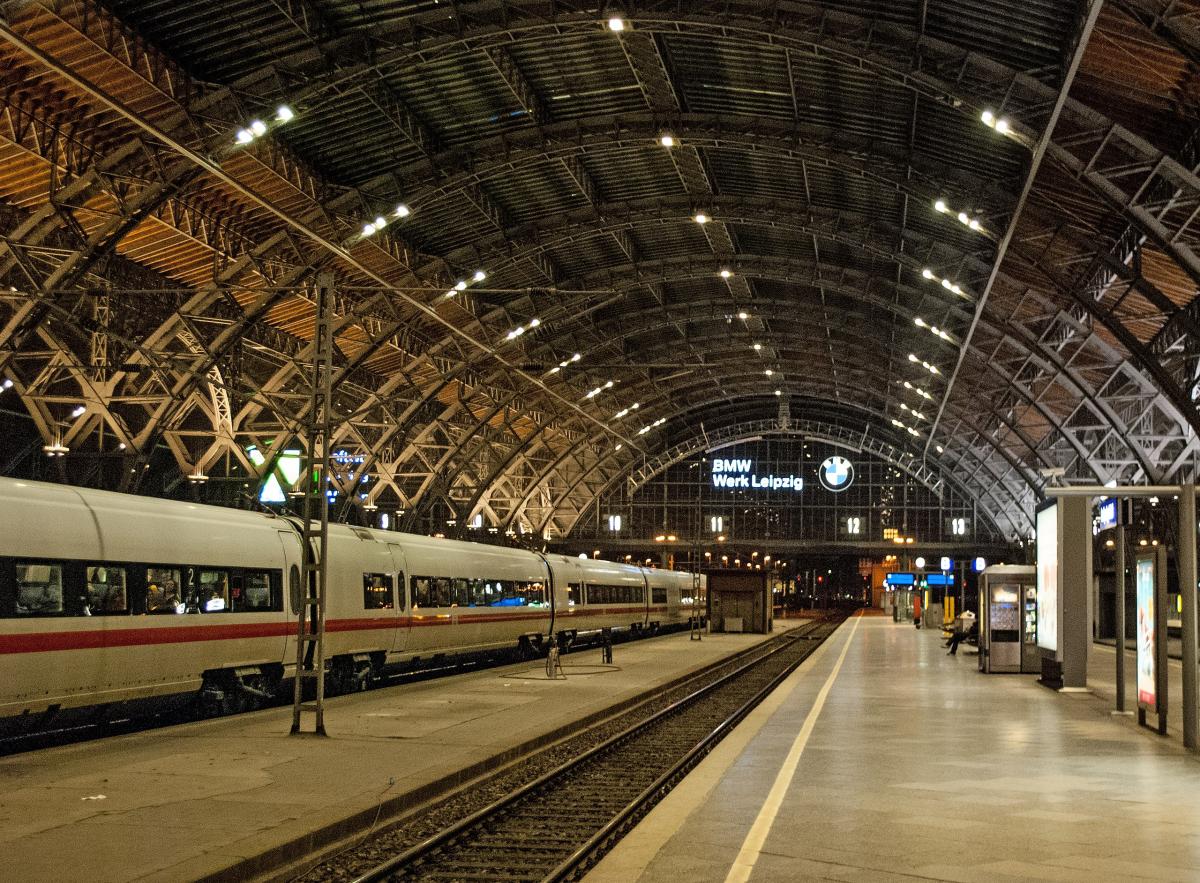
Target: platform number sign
[[854, 525], [958, 526]]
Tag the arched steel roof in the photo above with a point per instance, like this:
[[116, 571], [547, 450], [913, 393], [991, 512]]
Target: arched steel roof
[[161, 273]]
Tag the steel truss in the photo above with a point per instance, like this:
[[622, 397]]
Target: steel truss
[[1073, 387]]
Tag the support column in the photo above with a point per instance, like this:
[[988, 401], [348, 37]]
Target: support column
[[1120, 600], [1075, 574], [1187, 588]]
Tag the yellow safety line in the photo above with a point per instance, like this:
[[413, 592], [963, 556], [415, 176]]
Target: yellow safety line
[[752, 846]]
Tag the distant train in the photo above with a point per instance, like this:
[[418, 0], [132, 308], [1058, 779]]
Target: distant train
[[107, 598]]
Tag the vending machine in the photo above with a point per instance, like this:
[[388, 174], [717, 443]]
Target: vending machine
[[1008, 619], [1031, 660]]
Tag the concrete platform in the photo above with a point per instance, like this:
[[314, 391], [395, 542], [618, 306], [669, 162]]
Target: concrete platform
[[882, 758], [186, 802]]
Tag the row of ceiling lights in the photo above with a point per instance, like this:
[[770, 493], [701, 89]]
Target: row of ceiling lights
[[938, 332], [257, 128], [932, 369], [966, 220], [901, 425], [945, 283]]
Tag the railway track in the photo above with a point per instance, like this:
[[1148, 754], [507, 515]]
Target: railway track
[[557, 825]]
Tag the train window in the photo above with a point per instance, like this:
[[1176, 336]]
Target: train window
[[574, 594], [162, 590], [257, 591], [534, 594], [377, 591], [421, 592], [106, 592], [441, 592], [462, 596], [212, 590], [400, 588], [39, 588], [658, 596]]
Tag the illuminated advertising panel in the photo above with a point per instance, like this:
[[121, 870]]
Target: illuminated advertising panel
[[1147, 635], [1047, 578], [1107, 513], [735, 474]]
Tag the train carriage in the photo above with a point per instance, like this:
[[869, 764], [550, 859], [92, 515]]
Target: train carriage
[[107, 598]]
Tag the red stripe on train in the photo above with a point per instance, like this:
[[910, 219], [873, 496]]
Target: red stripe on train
[[182, 634]]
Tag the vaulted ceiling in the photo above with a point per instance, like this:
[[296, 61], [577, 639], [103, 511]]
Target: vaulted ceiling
[[962, 232]]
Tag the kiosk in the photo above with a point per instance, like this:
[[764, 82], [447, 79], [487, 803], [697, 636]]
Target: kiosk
[[1008, 619]]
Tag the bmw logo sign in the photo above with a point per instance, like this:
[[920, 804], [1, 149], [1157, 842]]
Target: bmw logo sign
[[836, 474]]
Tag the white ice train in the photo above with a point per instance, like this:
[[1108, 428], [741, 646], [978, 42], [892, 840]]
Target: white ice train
[[109, 598]]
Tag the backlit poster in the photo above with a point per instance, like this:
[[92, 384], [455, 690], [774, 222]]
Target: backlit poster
[[1047, 578], [1147, 683]]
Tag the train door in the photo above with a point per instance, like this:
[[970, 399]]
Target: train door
[[292, 594], [403, 601], [674, 593], [647, 594]]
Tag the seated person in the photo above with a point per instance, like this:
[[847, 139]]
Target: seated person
[[959, 637], [162, 598]]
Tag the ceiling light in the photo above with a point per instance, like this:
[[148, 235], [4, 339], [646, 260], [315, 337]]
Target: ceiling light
[[940, 449], [701, 218], [460, 285], [769, 372], [197, 477], [757, 346], [368, 229], [618, 447], [919, 322], [402, 211], [1002, 126], [259, 128], [725, 274], [608, 385], [913, 358], [666, 141], [989, 118], [963, 218], [516, 332], [576, 357], [79, 411], [534, 323], [927, 273], [907, 385], [479, 276], [244, 136], [7, 383], [940, 205], [380, 222], [947, 284], [743, 315], [616, 25], [975, 225], [284, 114], [778, 392]]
